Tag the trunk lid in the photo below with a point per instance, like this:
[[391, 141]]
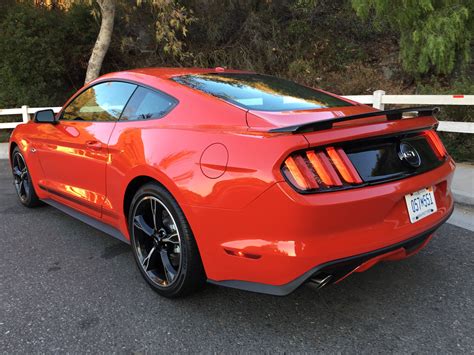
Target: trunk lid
[[266, 120], [379, 148]]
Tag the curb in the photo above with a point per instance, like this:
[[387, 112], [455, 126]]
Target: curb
[[463, 216], [462, 186], [462, 198], [4, 150]]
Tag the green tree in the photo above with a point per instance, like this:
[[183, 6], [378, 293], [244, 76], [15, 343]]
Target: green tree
[[435, 35], [171, 23]]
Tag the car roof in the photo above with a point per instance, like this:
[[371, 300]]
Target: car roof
[[167, 73]]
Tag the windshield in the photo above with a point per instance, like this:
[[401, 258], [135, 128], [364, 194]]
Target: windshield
[[260, 92]]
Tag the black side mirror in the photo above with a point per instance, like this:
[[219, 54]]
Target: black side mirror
[[45, 116]]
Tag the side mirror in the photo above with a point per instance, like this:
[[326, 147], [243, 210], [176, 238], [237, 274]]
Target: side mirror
[[45, 116]]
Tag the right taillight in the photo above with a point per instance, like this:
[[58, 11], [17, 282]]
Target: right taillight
[[436, 144], [320, 170]]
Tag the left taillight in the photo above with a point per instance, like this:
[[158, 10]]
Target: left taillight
[[319, 170], [436, 145]]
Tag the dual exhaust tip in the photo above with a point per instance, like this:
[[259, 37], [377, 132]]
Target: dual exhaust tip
[[331, 275], [320, 281]]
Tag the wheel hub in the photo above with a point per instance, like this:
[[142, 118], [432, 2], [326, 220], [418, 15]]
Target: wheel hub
[[158, 238]]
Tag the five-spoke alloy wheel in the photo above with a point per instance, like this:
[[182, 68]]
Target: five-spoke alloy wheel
[[157, 241], [163, 244], [22, 180]]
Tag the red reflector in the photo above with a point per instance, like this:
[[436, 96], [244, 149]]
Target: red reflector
[[344, 165], [242, 254], [436, 144]]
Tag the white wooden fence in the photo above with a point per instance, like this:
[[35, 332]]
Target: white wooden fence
[[24, 112], [378, 99]]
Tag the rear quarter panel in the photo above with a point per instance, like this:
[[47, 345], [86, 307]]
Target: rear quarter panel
[[178, 150]]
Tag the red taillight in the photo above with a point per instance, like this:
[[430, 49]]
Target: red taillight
[[314, 170], [436, 144], [343, 164], [295, 175], [323, 168]]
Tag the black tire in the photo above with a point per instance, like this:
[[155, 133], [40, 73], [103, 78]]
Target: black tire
[[22, 180], [165, 239]]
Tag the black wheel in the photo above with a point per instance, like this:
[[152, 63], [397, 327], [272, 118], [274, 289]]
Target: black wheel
[[163, 244], [22, 180]]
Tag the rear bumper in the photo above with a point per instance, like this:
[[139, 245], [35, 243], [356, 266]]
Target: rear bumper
[[282, 238], [341, 268]]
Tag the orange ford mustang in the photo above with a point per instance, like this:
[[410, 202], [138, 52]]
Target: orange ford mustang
[[236, 178]]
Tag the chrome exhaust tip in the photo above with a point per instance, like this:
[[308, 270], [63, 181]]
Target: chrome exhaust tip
[[320, 281]]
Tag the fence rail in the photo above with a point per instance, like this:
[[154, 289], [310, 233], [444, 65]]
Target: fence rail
[[378, 100], [24, 112]]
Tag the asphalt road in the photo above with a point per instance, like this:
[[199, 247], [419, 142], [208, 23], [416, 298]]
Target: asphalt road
[[65, 287]]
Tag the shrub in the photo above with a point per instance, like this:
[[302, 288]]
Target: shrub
[[41, 54]]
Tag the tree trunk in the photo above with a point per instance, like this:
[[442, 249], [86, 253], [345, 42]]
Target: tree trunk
[[107, 10]]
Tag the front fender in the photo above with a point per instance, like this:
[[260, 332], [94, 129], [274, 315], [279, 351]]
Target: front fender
[[23, 137]]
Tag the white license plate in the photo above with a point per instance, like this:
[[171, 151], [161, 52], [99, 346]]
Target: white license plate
[[420, 204]]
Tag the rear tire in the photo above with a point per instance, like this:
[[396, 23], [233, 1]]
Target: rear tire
[[163, 244], [22, 180]]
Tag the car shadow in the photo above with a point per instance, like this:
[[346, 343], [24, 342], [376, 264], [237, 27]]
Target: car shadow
[[391, 297]]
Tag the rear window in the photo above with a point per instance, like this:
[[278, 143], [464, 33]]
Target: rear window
[[260, 92]]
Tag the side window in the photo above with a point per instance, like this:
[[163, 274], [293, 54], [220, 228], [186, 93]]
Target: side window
[[147, 104], [101, 102]]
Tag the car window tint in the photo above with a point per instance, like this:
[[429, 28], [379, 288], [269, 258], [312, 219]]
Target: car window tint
[[260, 92], [147, 104], [101, 102]]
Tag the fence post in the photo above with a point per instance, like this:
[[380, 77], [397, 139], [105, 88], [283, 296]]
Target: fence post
[[24, 114], [378, 94]]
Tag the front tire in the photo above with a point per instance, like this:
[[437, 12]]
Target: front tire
[[163, 244], [22, 180]]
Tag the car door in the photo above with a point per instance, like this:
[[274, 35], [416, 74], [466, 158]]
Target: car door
[[74, 153]]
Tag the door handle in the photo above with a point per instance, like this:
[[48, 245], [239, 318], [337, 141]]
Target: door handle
[[94, 145]]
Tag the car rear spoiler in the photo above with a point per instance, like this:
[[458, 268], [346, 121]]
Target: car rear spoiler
[[392, 115]]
